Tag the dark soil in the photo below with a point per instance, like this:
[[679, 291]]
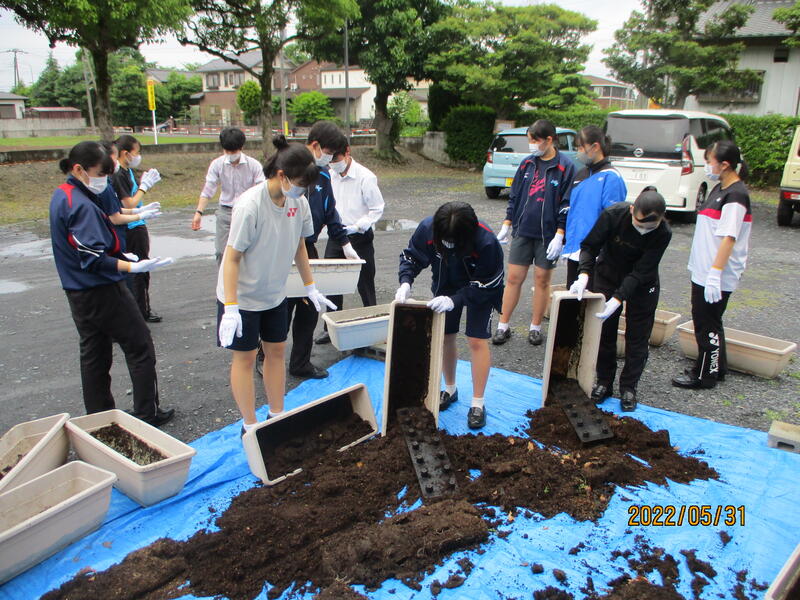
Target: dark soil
[[7, 469], [363, 318], [698, 566], [725, 537], [411, 355], [639, 589], [130, 446], [339, 591], [698, 583], [551, 593]]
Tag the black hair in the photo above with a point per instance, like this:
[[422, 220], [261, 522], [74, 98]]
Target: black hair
[[232, 139], [88, 154], [727, 151], [650, 202], [592, 134], [329, 136], [457, 223], [126, 142], [294, 159], [542, 129]]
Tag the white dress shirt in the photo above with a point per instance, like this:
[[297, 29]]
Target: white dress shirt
[[234, 179], [358, 198]]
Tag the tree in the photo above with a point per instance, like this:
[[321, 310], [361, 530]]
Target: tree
[[101, 27], [405, 109], [500, 56], [310, 107], [72, 88], [180, 89], [228, 29], [296, 54], [23, 90], [248, 98], [672, 50], [45, 91], [569, 90], [790, 16]]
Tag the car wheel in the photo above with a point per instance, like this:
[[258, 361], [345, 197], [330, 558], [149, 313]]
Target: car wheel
[[691, 217], [492, 192], [785, 212]]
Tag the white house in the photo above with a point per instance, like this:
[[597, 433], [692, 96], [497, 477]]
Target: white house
[[779, 92], [12, 106], [361, 91]]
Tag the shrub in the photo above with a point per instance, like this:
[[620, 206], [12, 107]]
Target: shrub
[[248, 98], [310, 107], [469, 131], [440, 101], [575, 119], [764, 142]]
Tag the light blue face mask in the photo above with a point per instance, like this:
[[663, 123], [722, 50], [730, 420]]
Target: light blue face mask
[[294, 192], [710, 174]]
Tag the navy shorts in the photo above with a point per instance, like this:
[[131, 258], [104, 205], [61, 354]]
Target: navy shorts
[[479, 321], [267, 325]]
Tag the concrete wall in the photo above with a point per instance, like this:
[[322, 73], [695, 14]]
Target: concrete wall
[[14, 128]]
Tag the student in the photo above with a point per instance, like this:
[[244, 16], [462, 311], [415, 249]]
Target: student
[[92, 270], [624, 248], [596, 187], [268, 228], [130, 194], [233, 173], [360, 204], [466, 261], [717, 260], [535, 220]]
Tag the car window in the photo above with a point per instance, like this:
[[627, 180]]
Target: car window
[[566, 141], [646, 136], [716, 131], [697, 129], [511, 143]]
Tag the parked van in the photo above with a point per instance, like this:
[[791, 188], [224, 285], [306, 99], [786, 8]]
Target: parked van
[[665, 148], [789, 200]]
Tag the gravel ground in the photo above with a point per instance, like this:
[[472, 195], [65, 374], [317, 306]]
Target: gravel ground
[[39, 344]]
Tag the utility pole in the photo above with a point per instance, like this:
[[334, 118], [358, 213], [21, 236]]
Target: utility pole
[[86, 73], [346, 85], [16, 51], [284, 122]]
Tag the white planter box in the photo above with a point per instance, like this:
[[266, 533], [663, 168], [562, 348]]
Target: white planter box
[[332, 276], [665, 324], [747, 352], [405, 339], [46, 514], [558, 287], [259, 443], [43, 444], [787, 584], [146, 484], [567, 354], [358, 327]]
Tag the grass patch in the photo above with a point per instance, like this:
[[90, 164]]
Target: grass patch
[[765, 196], [774, 415], [69, 141]]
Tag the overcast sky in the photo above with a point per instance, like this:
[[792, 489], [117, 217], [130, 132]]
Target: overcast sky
[[610, 15]]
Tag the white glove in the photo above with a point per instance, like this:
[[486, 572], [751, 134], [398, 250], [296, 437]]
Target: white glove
[[351, 229], [441, 304], [611, 306], [149, 179], [579, 285], [150, 264], [131, 256], [230, 324], [403, 293], [713, 287], [150, 214], [505, 233], [363, 224], [318, 298], [146, 207], [555, 246], [350, 252]]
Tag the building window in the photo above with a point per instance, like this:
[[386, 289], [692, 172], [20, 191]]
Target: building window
[[212, 81], [340, 78], [781, 55]]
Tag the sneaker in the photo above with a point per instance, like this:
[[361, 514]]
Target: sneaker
[[600, 392], [310, 371], [627, 401], [153, 318], [535, 337], [323, 339], [161, 417], [476, 417], [500, 337], [687, 380], [445, 399]]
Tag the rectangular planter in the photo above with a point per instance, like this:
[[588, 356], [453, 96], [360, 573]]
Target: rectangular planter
[[787, 584], [573, 340], [558, 287], [332, 276], [43, 444], [747, 352], [46, 514], [260, 442], [665, 324], [358, 327], [145, 484], [413, 360]]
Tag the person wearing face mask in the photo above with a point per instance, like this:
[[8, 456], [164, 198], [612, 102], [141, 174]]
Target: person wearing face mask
[[131, 196], [624, 249], [232, 173], [92, 270], [268, 229], [595, 188], [717, 260], [535, 221], [466, 262]]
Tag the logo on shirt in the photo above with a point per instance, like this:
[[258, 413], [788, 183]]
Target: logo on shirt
[[290, 212], [318, 188]]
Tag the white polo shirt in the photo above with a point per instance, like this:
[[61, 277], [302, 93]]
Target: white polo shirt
[[233, 179], [358, 198]]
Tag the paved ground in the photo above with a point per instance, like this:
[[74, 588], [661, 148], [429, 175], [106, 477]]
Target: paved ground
[[39, 344]]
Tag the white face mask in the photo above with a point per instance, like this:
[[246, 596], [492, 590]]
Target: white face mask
[[710, 174], [97, 184], [642, 230], [135, 161], [324, 160], [338, 167], [535, 150], [293, 192], [233, 158]]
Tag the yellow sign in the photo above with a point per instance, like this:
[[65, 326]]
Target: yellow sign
[[151, 94]]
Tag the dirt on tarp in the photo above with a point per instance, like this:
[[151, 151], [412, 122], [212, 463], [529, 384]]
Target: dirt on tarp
[[129, 445], [625, 588], [339, 591]]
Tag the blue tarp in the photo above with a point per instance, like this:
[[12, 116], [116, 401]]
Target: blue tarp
[[763, 480]]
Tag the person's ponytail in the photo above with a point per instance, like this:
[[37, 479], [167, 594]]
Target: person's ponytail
[[295, 160]]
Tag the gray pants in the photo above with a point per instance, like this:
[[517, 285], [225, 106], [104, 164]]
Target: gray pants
[[223, 229]]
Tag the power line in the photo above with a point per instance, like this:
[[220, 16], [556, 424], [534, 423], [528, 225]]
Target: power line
[[15, 51]]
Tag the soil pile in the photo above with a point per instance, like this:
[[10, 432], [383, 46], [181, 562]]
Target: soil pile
[[130, 446]]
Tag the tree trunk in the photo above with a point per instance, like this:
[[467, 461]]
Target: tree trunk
[[383, 126], [266, 110], [680, 99], [103, 108]]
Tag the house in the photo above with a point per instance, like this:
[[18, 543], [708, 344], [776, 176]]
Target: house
[[161, 75], [12, 106], [765, 52], [613, 94], [361, 92], [54, 112]]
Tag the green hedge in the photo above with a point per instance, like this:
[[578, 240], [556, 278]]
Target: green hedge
[[571, 119], [764, 142], [469, 131], [440, 102]]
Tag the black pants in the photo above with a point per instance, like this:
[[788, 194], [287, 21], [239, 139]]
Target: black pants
[[138, 242], [640, 313], [572, 274], [712, 359], [303, 319], [362, 244], [106, 314]]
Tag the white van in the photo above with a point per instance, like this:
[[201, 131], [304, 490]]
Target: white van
[[665, 148], [789, 201]]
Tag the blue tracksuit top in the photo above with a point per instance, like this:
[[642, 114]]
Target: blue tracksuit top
[[557, 181], [476, 279], [323, 209], [85, 245], [595, 188]]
